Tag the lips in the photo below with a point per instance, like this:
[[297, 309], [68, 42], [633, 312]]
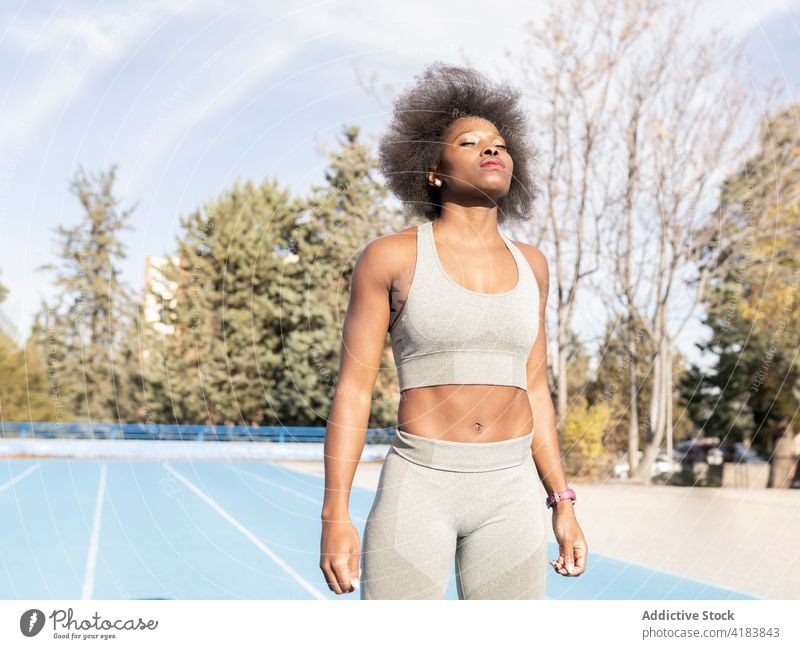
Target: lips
[[493, 163]]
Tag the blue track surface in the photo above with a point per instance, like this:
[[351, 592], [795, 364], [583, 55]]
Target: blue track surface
[[114, 529]]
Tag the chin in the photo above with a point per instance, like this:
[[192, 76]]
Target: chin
[[495, 192]]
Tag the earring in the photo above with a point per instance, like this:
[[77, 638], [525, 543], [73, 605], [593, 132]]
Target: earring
[[437, 182]]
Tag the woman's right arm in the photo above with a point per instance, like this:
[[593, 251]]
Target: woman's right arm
[[363, 340]]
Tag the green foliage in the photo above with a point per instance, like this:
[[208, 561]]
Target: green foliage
[[344, 215], [24, 393], [612, 386], [224, 357], [262, 285], [752, 307], [82, 332], [582, 439], [612, 383]]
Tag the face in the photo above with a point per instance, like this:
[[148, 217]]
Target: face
[[475, 164]]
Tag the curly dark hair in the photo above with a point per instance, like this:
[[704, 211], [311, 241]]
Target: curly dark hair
[[412, 143]]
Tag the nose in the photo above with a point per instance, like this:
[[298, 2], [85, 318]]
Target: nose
[[491, 150]]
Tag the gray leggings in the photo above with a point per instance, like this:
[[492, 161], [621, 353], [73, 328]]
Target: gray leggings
[[480, 502]]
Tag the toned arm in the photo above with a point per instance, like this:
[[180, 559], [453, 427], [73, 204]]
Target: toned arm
[[544, 447], [363, 341]]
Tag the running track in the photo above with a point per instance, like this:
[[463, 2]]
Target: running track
[[118, 529]]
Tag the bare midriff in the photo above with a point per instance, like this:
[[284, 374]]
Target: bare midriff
[[465, 413]]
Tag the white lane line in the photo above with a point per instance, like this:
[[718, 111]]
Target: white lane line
[[249, 535], [282, 487], [94, 541], [17, 478]]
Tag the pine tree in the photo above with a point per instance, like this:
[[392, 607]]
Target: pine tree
[[223, 360], [81, 330], [345, 214], [261, 287]]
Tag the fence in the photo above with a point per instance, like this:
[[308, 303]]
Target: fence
[[175, 432]]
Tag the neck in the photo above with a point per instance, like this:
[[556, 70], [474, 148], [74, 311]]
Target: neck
[[468, 224]]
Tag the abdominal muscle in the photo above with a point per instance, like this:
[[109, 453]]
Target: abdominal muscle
[[465, 413]]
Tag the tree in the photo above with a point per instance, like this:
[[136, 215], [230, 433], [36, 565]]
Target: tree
[[675, 139], [344, 215], [82, 328], [577, 54], [224, 359], [261, 286], [23, 380], [611, 385], [24, 394], [753, 298], [634, 132]]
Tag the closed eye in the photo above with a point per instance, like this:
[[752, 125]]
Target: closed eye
[[499, 146]]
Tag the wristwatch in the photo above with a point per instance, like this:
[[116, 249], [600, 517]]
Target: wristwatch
[[553, 498]]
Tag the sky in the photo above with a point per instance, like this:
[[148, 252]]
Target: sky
[[186, 97]]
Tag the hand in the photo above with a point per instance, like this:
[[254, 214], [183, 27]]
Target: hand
[[573, 549], [340, 554]]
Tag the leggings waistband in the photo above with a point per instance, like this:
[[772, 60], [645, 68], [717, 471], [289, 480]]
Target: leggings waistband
[[462, 456]]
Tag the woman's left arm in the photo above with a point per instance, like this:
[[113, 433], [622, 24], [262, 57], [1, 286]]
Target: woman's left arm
[[573, 548]]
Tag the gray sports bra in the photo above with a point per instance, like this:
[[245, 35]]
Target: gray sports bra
[[448, 334]]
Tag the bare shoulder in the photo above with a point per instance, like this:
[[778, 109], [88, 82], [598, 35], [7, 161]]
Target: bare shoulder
[[538, 263], [388, 256]]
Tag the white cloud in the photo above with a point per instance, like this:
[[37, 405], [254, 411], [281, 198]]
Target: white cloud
[[71, 48], [55, 56], [261, 44]]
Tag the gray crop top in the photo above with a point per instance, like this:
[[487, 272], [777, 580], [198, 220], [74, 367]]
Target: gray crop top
[[448, 334]]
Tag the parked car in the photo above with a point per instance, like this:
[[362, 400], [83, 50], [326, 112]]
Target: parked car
[[746, 455], [662, 465], [689, 452]]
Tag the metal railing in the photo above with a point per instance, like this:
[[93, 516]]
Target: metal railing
[[180, 432]]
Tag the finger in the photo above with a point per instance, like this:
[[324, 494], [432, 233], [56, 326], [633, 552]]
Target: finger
[[580, 558], [330, 579], [355, 569], [570, 561], [341, 573]]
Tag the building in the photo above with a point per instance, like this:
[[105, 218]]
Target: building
[[158, 291]]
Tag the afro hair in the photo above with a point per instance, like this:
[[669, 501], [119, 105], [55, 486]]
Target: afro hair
[[412, 143]]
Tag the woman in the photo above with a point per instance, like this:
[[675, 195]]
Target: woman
[[465, 310]]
